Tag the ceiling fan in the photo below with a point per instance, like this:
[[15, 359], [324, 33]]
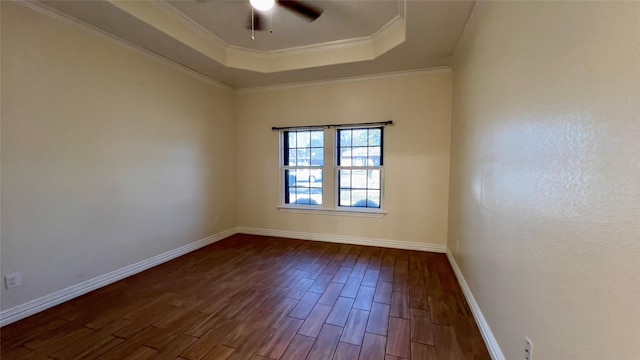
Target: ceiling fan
[[256, 18]]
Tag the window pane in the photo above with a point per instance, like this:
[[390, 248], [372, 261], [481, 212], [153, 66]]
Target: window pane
[[316, 196], [373, 198], [345, 137], [345, 179], [303, 158], [300, 196], [292, 158], [345, 157], [315, 177], [359, 184], [304, 139], [345, 198], [359, 156], [373, 156], [317, 138], [359, 179], [375, 137], [291, 138], [359, 198], [307, 196], [303, 176], [303, 183], [317, 157], [359, 137], [373, 179]]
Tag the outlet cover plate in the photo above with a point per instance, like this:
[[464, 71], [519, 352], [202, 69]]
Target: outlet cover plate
[[528, 349], [13, 280]]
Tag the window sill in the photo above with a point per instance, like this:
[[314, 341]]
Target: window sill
[[341, 212]]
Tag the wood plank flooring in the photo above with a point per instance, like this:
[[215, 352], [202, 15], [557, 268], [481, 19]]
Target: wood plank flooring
[[254, 297]]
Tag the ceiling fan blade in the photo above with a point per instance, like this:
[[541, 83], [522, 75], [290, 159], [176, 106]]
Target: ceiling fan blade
[[258, 21], [309, 12]]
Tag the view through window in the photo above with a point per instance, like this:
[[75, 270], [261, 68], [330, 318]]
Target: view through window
[[357, 166], [303, 162]]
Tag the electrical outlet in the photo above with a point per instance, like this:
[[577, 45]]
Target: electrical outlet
[[528, 349], [13, 280]]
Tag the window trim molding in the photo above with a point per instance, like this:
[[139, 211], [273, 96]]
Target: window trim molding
[[332, 149], [337, 168], [282, 167], [354, 212]]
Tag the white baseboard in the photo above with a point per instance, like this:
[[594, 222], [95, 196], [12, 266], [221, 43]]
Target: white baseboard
[[34, 306], [43, 303], [485, 330], [396, 244]]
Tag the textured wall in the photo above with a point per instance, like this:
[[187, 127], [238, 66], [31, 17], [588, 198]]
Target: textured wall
[[108, 157], [545, 191]]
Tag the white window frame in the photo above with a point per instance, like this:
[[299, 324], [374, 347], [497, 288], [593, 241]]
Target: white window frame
[[283, 168], [337, 168], [330, 190]]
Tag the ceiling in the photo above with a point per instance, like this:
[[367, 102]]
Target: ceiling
[[340, 20], [350, 38]]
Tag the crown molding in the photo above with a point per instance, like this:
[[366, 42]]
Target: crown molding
[[93, 30], [166, 18], [156, 16], [171, 10], [70, 20], [466, 32], [413, 72], [391, 25], [331, 53]]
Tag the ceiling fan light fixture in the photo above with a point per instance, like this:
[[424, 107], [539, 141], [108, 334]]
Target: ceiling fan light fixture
[[262, 5]]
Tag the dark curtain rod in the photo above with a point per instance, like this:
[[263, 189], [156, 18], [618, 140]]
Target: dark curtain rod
[[329, 126]]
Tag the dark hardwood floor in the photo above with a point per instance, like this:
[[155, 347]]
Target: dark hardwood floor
[[253, 297]]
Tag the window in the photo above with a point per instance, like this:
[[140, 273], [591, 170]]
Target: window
[[352, 180], [359, 167], [303, 162]]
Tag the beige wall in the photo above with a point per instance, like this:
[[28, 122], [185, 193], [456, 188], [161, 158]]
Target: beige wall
[[108, 157], [416, 153], [545, 191]]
